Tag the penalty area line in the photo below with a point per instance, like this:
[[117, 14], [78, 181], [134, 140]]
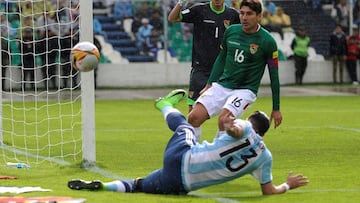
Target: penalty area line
[[319, 127], [343, 128]]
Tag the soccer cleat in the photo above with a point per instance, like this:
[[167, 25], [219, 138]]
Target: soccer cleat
[[173, 98], [88, 185]]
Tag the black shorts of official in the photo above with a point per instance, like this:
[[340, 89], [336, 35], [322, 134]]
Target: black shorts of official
[[198, 80]]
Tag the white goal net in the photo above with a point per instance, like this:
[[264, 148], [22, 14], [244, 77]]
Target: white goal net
[[41, 94]]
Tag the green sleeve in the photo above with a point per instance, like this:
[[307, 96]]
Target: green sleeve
[[218, 67], [275, 87]]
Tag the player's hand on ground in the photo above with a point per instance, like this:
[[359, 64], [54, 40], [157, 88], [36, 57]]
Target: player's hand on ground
[[277, 117], [295, 181]]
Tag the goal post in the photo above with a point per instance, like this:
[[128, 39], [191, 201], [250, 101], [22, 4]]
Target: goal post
[[87, 88], [47, 109]]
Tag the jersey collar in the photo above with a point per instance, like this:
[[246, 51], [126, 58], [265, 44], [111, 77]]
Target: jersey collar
[[216, 11], [258, 28]]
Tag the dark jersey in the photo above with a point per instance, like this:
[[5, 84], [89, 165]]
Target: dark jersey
[[209, 28]]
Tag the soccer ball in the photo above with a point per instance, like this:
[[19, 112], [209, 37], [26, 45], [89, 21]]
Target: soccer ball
[[85, 56]]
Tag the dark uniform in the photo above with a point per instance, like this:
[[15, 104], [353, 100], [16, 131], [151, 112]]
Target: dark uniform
[[209, 27]]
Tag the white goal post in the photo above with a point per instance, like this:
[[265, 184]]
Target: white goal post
[[87, 88], [47, 110]]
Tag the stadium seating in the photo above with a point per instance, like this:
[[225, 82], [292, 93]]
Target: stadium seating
[[127, 23], [283, 45], [121, 41], [161, 57], [119, 36], [109, 52]]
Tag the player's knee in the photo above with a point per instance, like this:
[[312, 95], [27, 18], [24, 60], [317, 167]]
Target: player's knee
[[196, 119], [198, 115], [192, 119]]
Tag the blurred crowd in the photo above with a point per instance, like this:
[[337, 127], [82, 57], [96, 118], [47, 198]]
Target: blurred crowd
[[40, 34], [45, 26]]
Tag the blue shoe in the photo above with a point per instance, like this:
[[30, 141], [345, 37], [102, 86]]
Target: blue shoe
[[88, 185], [173, 98]]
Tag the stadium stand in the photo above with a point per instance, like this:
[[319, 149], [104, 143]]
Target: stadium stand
[[301, 13], [108, 51], [319, 31], [183, 49], [121, 41]]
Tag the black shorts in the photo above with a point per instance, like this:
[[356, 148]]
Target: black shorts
[[198, 80]]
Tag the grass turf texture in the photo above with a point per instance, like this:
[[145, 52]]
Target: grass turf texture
[[319, 137]]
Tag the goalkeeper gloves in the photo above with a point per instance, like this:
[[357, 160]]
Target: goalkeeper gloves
[[182, 2]]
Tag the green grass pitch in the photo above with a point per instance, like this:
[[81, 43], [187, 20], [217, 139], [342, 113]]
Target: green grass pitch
[[319, 137]]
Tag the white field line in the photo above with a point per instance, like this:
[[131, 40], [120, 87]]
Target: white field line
[[35, 156], [291, 191], [217, 196], [326, 111], [347, 129], [332, 127]]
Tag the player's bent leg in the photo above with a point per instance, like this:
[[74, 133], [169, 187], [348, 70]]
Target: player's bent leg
[[159, 183], [198, 115], [121, 185], [166, 104], [196, 118], [175, 119], [115, 186]]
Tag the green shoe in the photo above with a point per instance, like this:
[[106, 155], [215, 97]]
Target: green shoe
[[173, 98]]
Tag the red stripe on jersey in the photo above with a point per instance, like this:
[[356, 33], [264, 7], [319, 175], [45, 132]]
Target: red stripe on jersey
[[273, 63], [246, 106]]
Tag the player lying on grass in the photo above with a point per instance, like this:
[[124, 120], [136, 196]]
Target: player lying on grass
[[189, 165]]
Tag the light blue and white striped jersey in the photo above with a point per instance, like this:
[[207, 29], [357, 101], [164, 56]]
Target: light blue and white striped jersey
[[227, 158]]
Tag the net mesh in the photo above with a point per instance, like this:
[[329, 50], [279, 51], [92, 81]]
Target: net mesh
[[41, 108]]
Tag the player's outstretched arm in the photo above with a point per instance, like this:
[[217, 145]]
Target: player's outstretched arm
[[291, 183]]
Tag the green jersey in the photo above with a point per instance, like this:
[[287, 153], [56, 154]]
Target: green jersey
[[242, 60]]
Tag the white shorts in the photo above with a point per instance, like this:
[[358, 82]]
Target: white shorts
[[217, 97]]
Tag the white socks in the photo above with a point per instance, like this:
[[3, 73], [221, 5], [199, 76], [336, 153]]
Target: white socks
[[197, 134], [119, 186], [168, 109]]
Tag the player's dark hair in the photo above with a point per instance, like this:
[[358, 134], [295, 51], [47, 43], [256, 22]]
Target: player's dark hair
[[254, 5], [260, 122]]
